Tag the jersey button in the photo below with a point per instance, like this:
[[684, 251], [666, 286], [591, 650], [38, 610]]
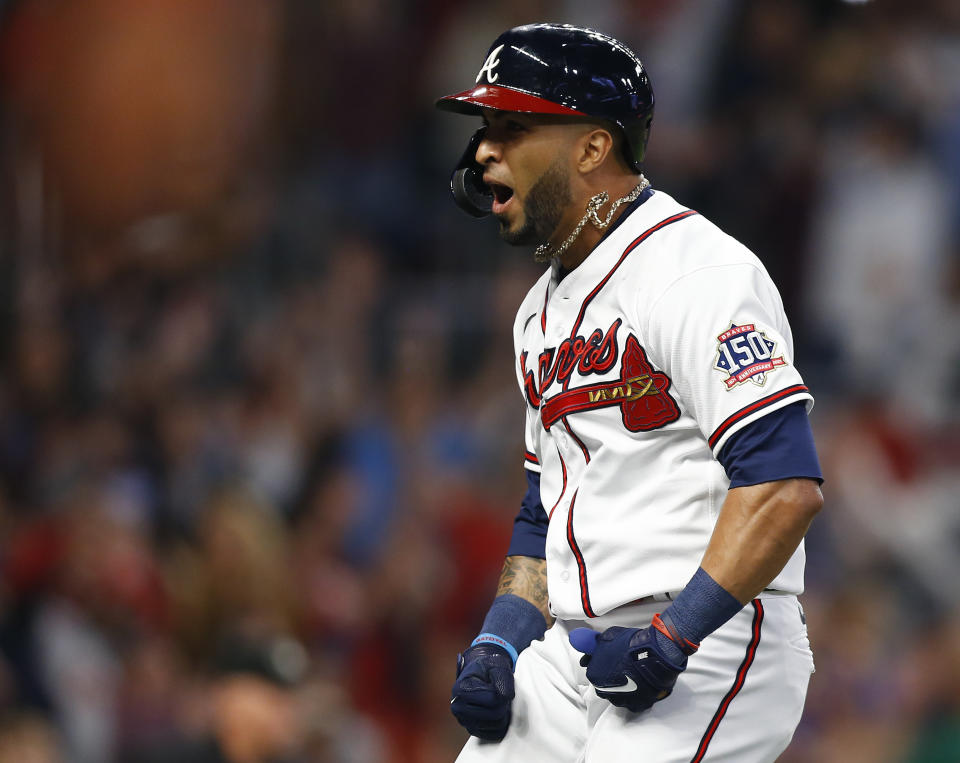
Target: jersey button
[[565, 576]]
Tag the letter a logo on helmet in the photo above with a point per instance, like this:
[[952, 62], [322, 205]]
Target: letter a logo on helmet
[[490, 64]]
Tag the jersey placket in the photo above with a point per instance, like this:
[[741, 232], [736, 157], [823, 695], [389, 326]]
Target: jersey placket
[[557, 325]]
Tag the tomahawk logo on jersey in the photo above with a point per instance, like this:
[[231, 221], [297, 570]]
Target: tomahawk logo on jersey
[[641, 393], [620, 370]]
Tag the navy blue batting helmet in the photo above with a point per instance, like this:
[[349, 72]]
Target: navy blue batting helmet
[[557, 69]]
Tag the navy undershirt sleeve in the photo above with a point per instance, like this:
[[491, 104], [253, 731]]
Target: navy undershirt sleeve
[[530, 526], [778, 446]]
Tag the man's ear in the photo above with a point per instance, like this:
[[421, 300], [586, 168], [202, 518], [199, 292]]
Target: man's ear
[[593, 148]]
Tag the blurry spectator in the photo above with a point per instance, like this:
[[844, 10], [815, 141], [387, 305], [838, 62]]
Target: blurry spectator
[[931, 672], [237, 580], [878, 306], [252, 715], [104, 587], [29, 738]]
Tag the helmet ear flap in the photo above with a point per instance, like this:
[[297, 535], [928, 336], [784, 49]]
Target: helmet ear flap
[[469, 191], [635, 136]]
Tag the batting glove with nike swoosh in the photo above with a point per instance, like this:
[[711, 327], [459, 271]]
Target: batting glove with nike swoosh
[[483, 691], [632, 667]]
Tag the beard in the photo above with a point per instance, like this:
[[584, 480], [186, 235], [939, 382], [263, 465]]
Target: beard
[[543, 208]]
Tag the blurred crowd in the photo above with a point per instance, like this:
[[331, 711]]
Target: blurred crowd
[[260, 436]]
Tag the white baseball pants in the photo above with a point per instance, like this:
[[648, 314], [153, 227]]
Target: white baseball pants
[[739, 700]]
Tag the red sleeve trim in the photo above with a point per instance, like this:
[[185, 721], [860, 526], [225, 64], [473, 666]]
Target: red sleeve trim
[[747, 410]]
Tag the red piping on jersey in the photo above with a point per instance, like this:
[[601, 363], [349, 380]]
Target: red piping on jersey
[[529, 383], [737, 683], [581, 565], [543, 313], [753, 408], [633, 245], [531, 458], [578, 441]]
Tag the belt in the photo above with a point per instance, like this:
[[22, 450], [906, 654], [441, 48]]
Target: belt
[[656, 598]]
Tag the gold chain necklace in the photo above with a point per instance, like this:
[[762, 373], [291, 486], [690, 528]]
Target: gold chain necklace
[[547, 252]]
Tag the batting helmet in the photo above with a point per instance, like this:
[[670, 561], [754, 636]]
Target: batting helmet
[[555, 69]]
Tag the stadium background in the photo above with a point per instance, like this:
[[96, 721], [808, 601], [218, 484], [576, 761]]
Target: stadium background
[[260, 438]]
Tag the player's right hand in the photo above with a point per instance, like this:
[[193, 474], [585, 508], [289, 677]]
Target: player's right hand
[[483, 691]]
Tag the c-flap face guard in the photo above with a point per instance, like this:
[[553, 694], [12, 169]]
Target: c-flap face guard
[[469, 191]]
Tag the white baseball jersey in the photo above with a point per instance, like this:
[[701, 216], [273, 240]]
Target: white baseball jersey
[[637, 367]]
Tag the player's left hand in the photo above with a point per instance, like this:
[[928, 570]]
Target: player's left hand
[[630, 667], [483, 692]]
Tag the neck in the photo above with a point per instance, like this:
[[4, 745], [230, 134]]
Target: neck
[[586, 242], [578, 250]]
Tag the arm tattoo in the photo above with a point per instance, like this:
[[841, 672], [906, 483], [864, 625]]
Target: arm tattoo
[[526, 577]]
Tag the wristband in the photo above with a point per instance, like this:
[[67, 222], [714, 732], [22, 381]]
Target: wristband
[[664, 623], [512, 622], [493, 638], [701, 607]]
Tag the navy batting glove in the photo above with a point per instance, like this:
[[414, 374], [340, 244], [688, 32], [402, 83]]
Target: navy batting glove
[[631, 667], [483, 691]]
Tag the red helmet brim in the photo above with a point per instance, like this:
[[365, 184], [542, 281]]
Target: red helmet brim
[[502, 99]]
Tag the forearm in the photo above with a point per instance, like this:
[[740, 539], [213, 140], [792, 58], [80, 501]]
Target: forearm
[[526, 577], [757, 532]]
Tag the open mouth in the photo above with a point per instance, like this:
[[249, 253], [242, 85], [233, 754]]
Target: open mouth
[[501, 195]]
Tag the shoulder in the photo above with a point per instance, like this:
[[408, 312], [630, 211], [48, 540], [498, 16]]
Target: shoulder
[[671, 242]]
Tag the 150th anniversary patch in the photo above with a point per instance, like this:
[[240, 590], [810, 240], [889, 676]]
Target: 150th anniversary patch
[[746, 354]]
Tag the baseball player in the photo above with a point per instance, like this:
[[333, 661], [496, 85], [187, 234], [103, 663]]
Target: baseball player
[[671, 469]]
